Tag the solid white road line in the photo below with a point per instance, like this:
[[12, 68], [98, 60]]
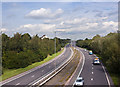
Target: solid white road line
[[74, 71], [81, 67], [33, 76], [17, 83], [63, 64], [106, 75], [91, 79], [71, 69], [42, 70], [82, 64], [48, 74], [29, 71]]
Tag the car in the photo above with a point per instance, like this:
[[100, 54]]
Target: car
[[96, 61], [97, 58], [79, 82], [90, 52]]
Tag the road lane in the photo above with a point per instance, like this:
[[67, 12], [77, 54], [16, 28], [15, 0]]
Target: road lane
[[93, 74], [40, 72]]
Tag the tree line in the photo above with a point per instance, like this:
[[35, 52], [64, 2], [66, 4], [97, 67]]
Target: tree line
[[20, 50], [107, 47]]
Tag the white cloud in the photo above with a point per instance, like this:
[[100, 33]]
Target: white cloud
[[53, 20], [92, 25], [103, 18], [44, 13], [37, 28], [3, 30], [110, 23], [110, 26], [75, 21]]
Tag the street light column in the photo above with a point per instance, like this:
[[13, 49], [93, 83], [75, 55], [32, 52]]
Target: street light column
[[55, 49]]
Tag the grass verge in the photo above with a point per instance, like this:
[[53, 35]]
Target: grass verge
[[12, 72], [115, 79]]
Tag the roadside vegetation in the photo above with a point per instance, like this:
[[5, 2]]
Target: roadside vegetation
[[108, 49], [12, 72], [22, 50]]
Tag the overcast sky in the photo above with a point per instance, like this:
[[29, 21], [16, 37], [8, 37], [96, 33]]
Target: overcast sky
[[76, 20]]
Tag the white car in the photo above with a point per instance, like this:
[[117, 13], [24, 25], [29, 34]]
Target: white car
[[79, 82], [96, 62]]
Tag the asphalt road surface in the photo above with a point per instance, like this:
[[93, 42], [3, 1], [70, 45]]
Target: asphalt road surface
[[94, 75], [40, 72]]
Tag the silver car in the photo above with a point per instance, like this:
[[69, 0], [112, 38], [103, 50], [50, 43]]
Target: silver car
[[79, 82]]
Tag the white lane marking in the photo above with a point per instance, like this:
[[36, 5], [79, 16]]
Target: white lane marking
[[42, 70], [71, 69], [92, 64], [92, 68], [91, 79], [92, 72], [63, 64], [33, 76], [106, 75], [29, 71], [82, 65], [17, 83]]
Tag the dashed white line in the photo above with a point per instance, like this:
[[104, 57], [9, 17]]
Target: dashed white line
[[71, 69], [33, 76], [42, 70], [92, 68], [17, 83], [91, 79], [92, 72]]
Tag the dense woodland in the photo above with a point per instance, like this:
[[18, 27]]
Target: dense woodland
[[108, 48], [20, 50]]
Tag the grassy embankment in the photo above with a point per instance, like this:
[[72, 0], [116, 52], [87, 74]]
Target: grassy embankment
[[12, 72], [115, 78]]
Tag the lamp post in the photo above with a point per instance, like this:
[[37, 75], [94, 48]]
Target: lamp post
[[1, 54], [55, 31], [55, 49]]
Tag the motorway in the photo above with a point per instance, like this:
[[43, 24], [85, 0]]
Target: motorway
[[94, 75], [38, 72]]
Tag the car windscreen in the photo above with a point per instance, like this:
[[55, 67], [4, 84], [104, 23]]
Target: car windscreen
[[79, 80], [96, 60]]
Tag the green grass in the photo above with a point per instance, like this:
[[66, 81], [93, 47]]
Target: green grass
[[12, 72], [115, 79]]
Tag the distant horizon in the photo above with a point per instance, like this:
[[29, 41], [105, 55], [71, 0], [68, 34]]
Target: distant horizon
[[56, 36]]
